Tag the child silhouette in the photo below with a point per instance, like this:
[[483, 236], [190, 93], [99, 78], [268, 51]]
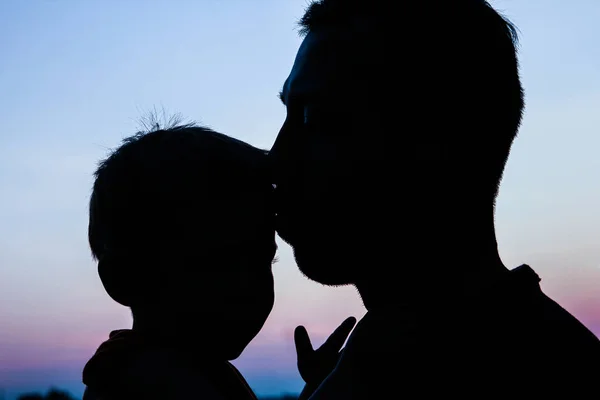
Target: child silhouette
[[182, 225]]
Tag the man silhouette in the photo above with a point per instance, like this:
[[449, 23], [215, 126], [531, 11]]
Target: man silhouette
[[400, 119]]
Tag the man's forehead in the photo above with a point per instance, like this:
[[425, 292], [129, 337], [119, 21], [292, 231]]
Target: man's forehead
[[314, 71]]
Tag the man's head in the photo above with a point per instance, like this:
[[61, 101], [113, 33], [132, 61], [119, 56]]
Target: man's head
[[181, 223], [399, 114]]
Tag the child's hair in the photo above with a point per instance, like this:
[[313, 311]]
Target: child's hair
[[159, 187]]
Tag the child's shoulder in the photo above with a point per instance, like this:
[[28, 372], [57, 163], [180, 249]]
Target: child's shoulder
[[125, 367], [232, 382]]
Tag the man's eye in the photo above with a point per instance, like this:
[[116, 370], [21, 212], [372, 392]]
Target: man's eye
[[311, 116], [295, 114]]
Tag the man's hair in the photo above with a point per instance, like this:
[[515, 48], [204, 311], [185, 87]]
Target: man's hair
[[160, 184], [455, 59]]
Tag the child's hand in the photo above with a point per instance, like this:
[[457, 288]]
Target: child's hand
[[315, 365]]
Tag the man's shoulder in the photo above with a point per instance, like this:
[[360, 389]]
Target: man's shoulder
[[514, 310], [514, 326], [521, 305]]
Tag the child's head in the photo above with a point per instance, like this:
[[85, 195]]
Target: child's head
[[181, 223]]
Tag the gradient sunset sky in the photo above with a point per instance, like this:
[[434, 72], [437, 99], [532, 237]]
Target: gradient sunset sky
[[75, 77]]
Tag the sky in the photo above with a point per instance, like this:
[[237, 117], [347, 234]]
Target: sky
[[75, 77]]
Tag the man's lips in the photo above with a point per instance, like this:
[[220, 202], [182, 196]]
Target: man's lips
[[285, 227], [282, 226]]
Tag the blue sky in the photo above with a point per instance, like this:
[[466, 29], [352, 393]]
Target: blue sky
[[76, 76]]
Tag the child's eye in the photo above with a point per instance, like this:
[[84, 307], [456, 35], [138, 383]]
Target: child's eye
[[275, 260]]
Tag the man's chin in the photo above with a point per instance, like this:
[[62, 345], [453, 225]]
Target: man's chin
[[319, 257], [322, 269]]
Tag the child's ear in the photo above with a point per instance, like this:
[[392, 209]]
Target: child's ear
[[116, 278]]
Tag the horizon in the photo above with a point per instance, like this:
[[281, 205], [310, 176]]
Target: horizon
[[78, 77]]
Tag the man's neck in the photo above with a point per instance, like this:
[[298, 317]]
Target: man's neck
[[430, 273]]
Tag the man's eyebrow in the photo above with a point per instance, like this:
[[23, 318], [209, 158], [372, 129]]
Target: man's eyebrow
[[283, 92], [281, 95]]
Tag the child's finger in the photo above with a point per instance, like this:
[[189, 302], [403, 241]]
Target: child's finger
[[302, 341], [336, 340]]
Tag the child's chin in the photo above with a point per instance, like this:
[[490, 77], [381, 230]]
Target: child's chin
[[233, 353], [233, 356]]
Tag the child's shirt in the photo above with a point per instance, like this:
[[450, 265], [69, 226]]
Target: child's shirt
[[128, 366]]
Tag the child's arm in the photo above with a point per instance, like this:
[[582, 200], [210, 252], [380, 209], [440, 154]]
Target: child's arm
[[315, 365]]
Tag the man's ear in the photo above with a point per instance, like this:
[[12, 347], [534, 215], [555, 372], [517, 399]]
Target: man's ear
[[116, 278], [431, 151]]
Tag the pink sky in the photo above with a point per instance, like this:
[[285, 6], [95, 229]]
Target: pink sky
[[34, 351]]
